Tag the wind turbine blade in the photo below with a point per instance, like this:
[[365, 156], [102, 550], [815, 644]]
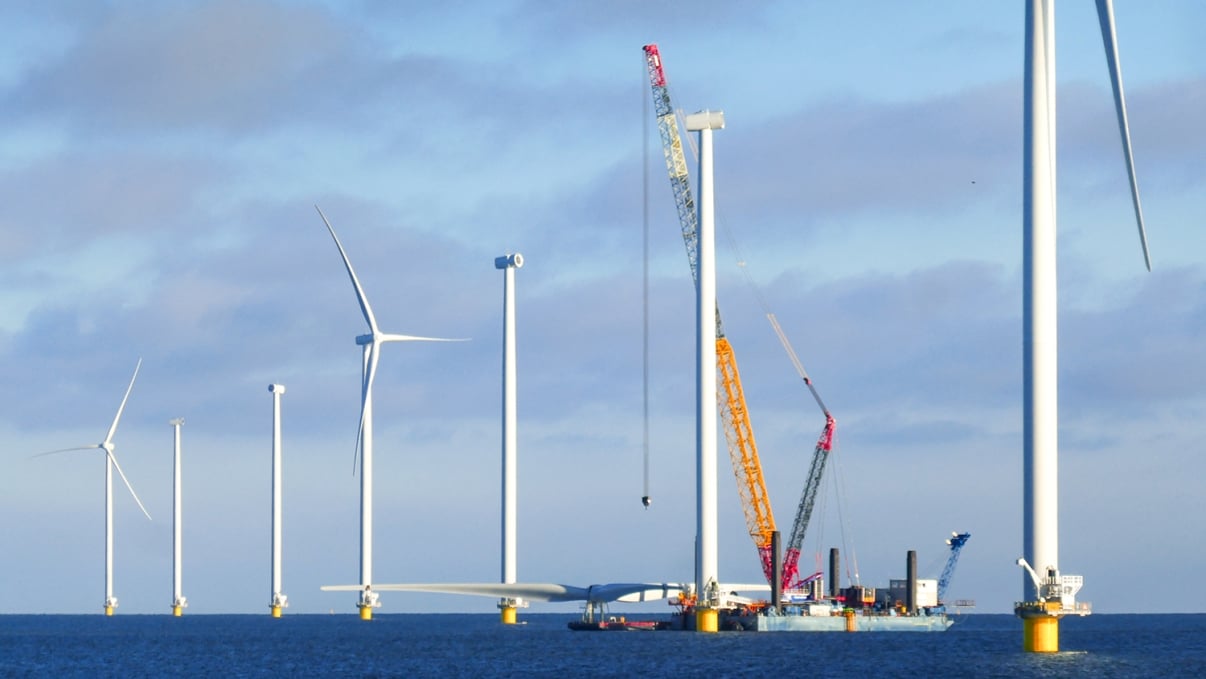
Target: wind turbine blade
[[113, 459], [367, 386], [630, 591], [385, 337], [1105, 16], [534, 591], [117, 418], [364, 305], [66, 450], [530, 591]]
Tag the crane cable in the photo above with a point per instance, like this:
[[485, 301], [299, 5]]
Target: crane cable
[[645, 498], [839, 484]]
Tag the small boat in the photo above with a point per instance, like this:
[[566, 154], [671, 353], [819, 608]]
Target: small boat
[[595, 619], [620, 624]]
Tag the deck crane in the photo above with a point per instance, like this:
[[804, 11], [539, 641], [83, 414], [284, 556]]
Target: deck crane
[[956, 541], [743, 452], [791, 555]]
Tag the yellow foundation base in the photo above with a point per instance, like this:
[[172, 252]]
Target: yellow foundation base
[[366, 612], [108, 610], [508, 615], [850, 625], [1040, 635], [707, 620], [276, 611], [177, 611]]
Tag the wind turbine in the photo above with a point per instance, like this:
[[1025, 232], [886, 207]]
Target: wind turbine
[[110, 463], [510, 437], [279, 600], [364, 435], [1048, 595], [707, 612], [179, 601]]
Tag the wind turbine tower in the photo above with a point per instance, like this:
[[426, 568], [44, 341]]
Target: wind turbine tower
[[706, 576], [279, 600], [179, 602], [508, 264], [1049, 595], [371, 343]]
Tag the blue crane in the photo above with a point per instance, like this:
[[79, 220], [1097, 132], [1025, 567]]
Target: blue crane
[[956, 541]]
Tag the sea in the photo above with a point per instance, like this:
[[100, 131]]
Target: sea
[[477, 645]]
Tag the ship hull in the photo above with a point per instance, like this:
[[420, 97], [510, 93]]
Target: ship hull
[[731, 622], [862, 623], [619, 625]]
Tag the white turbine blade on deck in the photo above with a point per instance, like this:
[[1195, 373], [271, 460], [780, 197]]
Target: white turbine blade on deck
[[127, 482], [117, 418], [739, 587], [360, 296], [631, 592], [1109, 38], [529, 591], [536, 591]]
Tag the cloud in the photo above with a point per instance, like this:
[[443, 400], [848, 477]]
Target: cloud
[[223, 65]]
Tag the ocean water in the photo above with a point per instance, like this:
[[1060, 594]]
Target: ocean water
[[410, 645]]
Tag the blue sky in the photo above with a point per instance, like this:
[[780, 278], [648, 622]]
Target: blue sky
[[159, 164]]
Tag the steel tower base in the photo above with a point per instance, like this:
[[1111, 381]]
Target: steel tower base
[[1040, 634], [707, 620]]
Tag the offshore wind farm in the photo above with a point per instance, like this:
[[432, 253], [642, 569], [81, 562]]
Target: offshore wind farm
[[877, 214]]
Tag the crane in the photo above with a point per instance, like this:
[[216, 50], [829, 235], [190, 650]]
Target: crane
[[743, 450], [956, 541], [820, 455]]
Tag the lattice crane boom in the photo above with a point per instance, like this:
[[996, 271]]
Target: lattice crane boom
[[816, 470], [743, 453], [956, 541], [743, 450]]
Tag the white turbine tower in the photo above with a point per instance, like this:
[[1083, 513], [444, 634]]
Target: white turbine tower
[[279, 600], [111, 463], [706, 570], [179, 602], [364, 436], [509, 263], [1048, 594]]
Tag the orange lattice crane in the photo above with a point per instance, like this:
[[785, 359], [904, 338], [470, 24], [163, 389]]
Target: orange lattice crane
[[743, 452]]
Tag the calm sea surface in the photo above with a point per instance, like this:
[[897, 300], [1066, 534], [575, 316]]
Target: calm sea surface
[[477, 645]]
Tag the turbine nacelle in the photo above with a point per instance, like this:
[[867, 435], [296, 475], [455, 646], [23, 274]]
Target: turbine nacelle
[[514, 261]]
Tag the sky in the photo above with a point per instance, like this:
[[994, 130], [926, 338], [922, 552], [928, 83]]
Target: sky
[[159, 168]]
